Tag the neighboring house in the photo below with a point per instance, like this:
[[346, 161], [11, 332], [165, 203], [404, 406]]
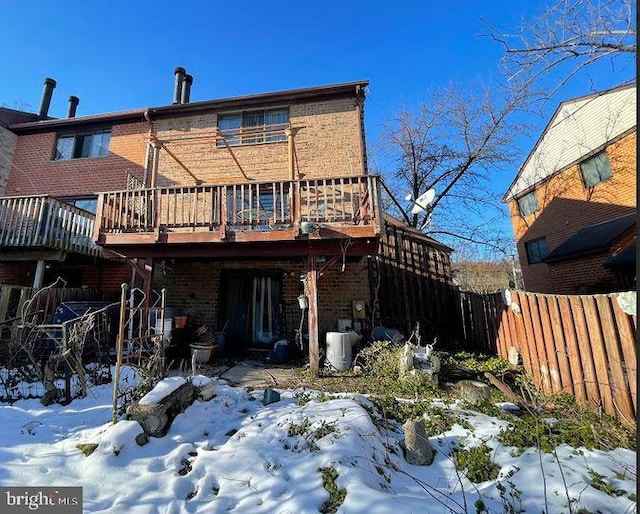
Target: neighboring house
[[236, 207], [573, 202], [45, 233], [8, 140]]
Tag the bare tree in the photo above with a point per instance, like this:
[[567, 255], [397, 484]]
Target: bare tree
[[568, 37], [455, 143], [485, 276]]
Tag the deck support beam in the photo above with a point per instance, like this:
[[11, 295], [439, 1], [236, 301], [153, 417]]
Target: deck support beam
[[312, 313], [39, 275]]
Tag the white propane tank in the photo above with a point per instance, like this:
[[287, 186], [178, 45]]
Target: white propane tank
[[339, 354]]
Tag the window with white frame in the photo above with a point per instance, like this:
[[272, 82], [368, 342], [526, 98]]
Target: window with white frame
[[537, 249], [528, 204], [82, 145], [252, 127], [595, 169]]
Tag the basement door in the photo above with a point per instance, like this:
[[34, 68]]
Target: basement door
[[251, 307]]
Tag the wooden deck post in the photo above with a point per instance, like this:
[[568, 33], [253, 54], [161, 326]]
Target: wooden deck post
[[154, 165], [119, 351], [39, 275], [312, 294], [290, 132], [147, 277]]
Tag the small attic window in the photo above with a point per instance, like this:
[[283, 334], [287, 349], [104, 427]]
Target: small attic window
[[595, 169], [528, 204], [82, 145]]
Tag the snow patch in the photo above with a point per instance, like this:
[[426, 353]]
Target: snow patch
[[162, 389]]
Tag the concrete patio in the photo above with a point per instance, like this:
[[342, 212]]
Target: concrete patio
[[254, 373]]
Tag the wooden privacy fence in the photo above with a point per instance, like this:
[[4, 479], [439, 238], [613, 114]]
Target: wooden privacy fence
[[581, 345], [480, 316]]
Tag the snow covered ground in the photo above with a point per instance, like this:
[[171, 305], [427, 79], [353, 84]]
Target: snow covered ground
[[234, 454]]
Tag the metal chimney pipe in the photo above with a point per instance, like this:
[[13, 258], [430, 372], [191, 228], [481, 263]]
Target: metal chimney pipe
[[186, 89], [177, 91], [49, 86], [73, 105]]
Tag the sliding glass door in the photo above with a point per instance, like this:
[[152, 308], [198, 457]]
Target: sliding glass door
[[250, 307]]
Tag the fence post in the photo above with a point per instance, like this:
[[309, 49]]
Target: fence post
[[119, 350]]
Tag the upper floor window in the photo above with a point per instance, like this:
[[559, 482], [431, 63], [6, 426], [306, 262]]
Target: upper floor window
[[595, 169], [537, 249], [251, 127], [528, 204], [83, 144]]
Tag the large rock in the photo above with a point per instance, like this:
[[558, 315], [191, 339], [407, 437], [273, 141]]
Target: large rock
[[157, 409], [473, 392], [417, 448]]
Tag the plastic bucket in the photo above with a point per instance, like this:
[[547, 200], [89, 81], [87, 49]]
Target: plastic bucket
[[279, 352], [168, 327], [180, 321], [202, 353], [220, 340]]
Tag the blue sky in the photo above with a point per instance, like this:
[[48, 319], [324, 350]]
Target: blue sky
[[117, 55]]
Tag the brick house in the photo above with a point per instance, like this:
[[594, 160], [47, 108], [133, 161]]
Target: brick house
[[237, 207], [573, 202]]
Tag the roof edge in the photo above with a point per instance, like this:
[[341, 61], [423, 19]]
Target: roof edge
[[625, 85], [389, 218], [331, 90], [586, 156], [600, 248]]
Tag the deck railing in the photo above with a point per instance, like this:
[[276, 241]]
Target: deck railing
[[251, 206], [44, 222]]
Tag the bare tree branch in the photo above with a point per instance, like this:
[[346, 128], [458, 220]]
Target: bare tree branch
[[498, 247], [566, 38], [455, 142]]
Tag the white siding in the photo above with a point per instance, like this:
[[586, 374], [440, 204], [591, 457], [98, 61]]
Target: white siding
[[579, 127]]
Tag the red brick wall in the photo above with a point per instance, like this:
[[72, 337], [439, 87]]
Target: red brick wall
[[567, 206], [106, 276], [568, 277], [17, 273], [194, 287], [327, 144], [35, 172]]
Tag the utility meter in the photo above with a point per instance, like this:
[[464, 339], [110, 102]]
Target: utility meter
[[358, 309]]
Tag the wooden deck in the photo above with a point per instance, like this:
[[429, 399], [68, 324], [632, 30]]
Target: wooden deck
[[252, 212], [42, 222]]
